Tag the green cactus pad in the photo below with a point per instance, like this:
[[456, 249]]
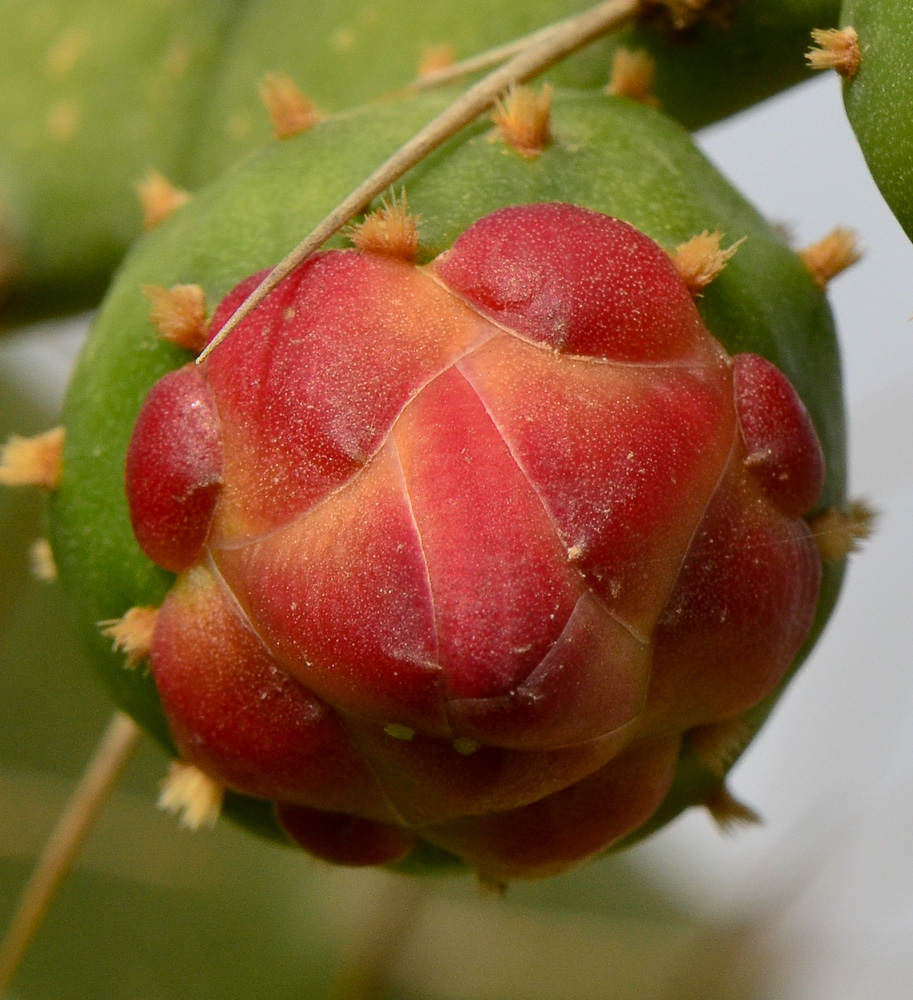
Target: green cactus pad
[[879, 98], [607, 154]]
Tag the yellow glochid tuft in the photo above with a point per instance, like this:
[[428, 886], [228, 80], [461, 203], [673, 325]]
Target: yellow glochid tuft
[[159, 198], [179, 314], [837, 49], [191, 795], [435, 58], [132, 633], [839, 533], [831, 256], [727, 812], [701, 259], [390, 231], [684, 14], [289, 110], [523, 118], [34, 461], [41, 561], [633, 76]]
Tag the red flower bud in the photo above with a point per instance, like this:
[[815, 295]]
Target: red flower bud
[[469, 547]]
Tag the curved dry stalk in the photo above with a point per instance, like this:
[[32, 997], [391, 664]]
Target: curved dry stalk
[[548, 47], [101, 775], [389, 922], [473, 64]]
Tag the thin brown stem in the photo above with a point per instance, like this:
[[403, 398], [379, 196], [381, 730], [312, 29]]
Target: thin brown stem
[[551, 45], [101, 775], [387, 927], [473, 64]]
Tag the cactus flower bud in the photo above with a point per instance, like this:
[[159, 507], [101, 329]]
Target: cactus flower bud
[[466, 549]]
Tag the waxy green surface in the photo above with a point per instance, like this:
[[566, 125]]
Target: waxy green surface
[[95, 92], [879, 99], [607, 154]]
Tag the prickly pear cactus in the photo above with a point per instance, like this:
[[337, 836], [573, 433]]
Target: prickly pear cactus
[[96, 98], [495, 547], [872, 54]]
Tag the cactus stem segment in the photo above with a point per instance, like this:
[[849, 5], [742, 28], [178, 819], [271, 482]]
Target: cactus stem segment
[[179, 314], [191, 795], [831, 256], [436, 58], [545, 49], [718, 744], [835, 48], [727, 812], [132, 634], [289, 110], [700, 260], [41, 561], [390, 231], [158, 198], [523, 118], [839, 533], [35, 461], [633, 75]]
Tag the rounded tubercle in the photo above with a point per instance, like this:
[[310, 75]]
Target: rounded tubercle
[[173, 469], [579, 281]]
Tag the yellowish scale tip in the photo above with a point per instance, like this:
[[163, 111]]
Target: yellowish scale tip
[[831, 256], [132, 634], [289, 110], [701, 259], [390, 231], [633, 76], [837, 49], [41, 561], [179, 314], [434, 58], [159, 198], [523, 118], [727, 812], [838, 533], [191, 795], [34, 461], [717, 744]]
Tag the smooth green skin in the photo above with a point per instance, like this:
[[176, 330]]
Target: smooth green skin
[[607, 154], [879, 99], [173, 85]]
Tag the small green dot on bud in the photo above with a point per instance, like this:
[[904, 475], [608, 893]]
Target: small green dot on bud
[[399, 732]]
